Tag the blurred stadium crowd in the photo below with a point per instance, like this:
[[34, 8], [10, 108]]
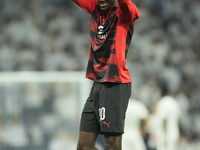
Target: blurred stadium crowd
[[38, 116], [53, 35]]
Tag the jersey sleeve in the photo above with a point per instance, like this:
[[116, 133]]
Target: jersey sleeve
[[87, 5], [128, 10]]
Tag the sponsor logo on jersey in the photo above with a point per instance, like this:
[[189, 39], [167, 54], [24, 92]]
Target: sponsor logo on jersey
[[100, 34]]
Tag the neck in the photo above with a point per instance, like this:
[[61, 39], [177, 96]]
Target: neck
[[115, 3]]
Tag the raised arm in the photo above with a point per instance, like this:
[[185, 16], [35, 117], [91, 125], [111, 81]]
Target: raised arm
[[128, 11], [87, 5]]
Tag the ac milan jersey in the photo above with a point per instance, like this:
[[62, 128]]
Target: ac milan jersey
[[110, 36]]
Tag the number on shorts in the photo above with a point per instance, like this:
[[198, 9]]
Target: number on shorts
[[102, 113]]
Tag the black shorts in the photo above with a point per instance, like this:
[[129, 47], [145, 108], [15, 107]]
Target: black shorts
[[105, 108]]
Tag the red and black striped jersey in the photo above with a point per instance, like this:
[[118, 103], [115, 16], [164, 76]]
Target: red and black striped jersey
[[110, 36]]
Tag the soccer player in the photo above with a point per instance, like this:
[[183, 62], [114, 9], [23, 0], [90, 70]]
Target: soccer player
[[168, 113], [135, 126], [111, 30]]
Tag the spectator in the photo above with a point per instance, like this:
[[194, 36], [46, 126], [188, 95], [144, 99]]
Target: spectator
[[61, 141], [17, 135]]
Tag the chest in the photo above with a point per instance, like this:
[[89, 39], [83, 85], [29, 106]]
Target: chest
[[103, 23]]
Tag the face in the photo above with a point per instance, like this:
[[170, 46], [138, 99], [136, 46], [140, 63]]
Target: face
[[106, 4]]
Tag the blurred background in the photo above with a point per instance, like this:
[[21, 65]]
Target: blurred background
[[52, 37]]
